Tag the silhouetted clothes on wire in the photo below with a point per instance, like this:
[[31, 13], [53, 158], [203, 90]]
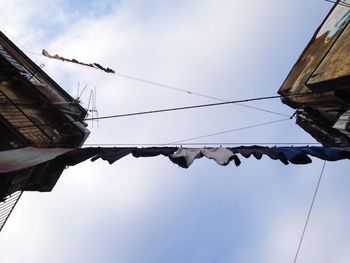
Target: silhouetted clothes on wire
[[92, 65], [184, 157], [18, 159]]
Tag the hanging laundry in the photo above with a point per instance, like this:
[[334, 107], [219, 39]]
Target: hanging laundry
[[259, 151], [92, 65], [108, 70], [184, 157], [17, 159], [276, 153], [46, 54], [112, 154], [221, 156]]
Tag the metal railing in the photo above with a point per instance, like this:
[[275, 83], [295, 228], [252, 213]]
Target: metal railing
[[47, 138], [7, 206]]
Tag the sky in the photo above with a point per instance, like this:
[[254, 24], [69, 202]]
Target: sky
[[148, 209]]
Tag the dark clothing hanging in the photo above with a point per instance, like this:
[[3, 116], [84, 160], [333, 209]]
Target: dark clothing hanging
[[17, 159], [108, 70], [112, 154], [92, 65]]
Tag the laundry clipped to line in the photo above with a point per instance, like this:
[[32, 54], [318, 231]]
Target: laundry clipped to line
[[92, 65], [17, 159]]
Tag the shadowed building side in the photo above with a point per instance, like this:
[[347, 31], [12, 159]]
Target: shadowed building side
[[323, 73], [34, 111]]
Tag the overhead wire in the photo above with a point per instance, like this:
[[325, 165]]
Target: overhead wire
[[309, 213], [181, 142], [197, 106], [228, 131], [194, 93], [149, 82], [222, 102]]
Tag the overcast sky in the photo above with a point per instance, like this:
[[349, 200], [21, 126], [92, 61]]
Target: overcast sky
[[150, 210]]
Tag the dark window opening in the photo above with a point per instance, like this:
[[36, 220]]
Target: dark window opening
[[8, 139]]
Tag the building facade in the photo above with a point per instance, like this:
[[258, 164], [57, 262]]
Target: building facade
[[34, 111], [318, 86]]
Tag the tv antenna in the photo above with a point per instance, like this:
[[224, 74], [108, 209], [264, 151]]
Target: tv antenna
[[81, 93], [92, 107]]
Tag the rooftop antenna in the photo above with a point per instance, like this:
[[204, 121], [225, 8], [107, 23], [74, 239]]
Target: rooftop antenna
[[76, 97], [93, 108], [91, 105], [81, 93]]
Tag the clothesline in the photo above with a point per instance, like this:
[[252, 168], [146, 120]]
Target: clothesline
[[202, 144], [22, 158]]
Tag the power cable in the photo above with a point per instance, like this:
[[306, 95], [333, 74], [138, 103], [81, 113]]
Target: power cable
[[181, 90], [309, 213], [196, 106], [207, 135], [166, 86], [228, 131], [194, 93]]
